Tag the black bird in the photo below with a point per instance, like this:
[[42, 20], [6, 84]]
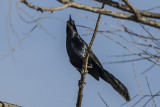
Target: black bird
[[76, 47]]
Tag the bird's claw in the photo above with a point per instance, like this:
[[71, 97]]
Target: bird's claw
[[82, 71], [88, 45], [81, 83], [89, 66]]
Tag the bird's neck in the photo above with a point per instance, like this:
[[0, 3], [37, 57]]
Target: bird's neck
[[72, 34]]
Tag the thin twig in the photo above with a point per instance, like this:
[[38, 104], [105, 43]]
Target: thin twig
[[85, 64], [151, 56], [123, 55], [130, 100], [125, 61], [23, 39], [157, 94], [150, 90], [155, 103], [103, 100], [148, 95], [129, 31], [149, 68], [137, 79], [138, 101], [156, 42]]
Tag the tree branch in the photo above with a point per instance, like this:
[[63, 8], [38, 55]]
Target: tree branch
[[126, 8], [85, 65], [5, 104], [67, 3], [136, 13]]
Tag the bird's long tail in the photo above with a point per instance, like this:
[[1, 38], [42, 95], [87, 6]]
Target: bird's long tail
[[116, 84]]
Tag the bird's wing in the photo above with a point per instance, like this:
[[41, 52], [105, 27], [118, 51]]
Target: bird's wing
[[79, 46], [93, 57]]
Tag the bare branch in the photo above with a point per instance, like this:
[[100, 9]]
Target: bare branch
[[144, 54], [126, 8], [155, 103], [125, 61], [5, 104], [149, 68], [103, 100], [67, 3], [138, 101], [129, 31], [140, 90], [85, 64], [157, 94], [136, 13], [130, 100], [150, 90]]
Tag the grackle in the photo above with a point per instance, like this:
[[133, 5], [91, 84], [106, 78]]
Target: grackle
[[76, 49]]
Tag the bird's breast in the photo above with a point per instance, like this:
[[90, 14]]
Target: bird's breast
[[76, 52], [79, 49]]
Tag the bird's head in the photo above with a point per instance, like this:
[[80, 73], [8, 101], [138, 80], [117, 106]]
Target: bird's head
[[71, 28]]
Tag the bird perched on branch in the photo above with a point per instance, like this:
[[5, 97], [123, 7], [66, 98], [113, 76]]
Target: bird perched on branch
[[76, 49]]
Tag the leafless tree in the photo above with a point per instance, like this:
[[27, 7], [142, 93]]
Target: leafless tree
[[143, 44]]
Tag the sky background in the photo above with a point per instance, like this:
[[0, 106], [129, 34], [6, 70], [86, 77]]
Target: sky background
[[34, 67]]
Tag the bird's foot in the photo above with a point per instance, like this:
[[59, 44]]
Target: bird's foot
[[89, 66], [81, 83], [88, 45], [83, 71]]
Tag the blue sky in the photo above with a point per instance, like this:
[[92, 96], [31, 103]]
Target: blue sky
[[38, 73]]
